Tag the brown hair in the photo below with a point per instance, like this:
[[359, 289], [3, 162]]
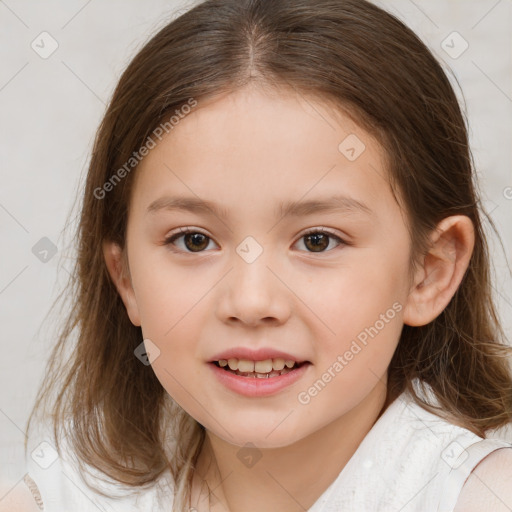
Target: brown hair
[[362, 61]]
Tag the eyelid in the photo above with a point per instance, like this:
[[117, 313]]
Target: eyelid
[[186, 229], [168, 239], [321, 229], [189, 229]]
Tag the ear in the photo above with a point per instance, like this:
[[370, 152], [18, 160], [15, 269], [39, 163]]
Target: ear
[[442, 271], [117, 268]]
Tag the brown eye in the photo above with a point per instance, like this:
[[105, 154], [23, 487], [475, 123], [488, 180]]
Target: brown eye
[[318, 241], [194, 241]]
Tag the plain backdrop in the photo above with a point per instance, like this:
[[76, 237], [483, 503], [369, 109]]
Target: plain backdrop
[[52, 104]]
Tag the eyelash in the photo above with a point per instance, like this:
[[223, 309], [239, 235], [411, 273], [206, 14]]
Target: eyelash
[[184, 231]]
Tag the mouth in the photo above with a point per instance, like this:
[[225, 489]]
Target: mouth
[[267, 369], [258, 379]]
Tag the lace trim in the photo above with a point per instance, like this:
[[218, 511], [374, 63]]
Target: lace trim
[[34, 490]]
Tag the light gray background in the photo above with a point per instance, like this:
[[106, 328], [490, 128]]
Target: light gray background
[[50, 109]]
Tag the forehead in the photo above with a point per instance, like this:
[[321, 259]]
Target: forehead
[[255, 145]]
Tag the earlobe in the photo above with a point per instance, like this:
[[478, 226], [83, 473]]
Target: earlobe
[[120, 276], [442, 271]]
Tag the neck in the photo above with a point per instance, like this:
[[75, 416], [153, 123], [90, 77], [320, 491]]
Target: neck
[[290, 478]]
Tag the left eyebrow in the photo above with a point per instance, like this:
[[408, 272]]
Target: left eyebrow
[[337, 203]]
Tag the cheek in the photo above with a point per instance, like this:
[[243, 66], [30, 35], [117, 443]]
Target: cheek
[[170, 301], [171, 322], [356, 293], [181, 381], [361, 313], [166, 294]]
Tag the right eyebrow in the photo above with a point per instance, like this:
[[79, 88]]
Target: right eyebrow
[[191, 204]]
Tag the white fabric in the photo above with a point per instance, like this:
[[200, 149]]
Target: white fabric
[[410, 461], [63, 488]]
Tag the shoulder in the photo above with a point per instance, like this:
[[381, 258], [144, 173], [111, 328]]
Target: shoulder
[[489, 486], [19, 499]]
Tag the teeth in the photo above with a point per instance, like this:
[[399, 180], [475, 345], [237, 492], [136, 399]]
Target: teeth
[[256, 375], [260, 366], [278, 364], [247, 366]]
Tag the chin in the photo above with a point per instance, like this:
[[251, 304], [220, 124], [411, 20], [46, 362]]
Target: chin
[[259, 436]]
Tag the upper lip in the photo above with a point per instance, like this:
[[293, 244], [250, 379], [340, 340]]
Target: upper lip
[[260, 354]]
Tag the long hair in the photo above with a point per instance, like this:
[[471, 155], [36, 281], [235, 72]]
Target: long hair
[[358, 59]]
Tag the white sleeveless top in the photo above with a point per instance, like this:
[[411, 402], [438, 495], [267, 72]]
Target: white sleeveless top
[[411, 460]]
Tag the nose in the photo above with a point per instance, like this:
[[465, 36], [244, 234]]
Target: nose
[[254, 293]]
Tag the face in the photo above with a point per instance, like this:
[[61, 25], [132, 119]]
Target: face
[[324, 285]]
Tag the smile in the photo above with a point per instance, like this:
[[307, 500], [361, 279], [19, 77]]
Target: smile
[[258, 369], [255, 383]]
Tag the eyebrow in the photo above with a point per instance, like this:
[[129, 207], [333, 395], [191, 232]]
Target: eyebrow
[[337, 203]]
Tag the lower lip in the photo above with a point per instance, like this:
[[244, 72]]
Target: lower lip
[[255, 387]]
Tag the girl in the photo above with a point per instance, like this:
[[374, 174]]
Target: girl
[[283, 299]]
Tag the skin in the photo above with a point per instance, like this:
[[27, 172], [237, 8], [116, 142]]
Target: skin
[[247, 151]]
